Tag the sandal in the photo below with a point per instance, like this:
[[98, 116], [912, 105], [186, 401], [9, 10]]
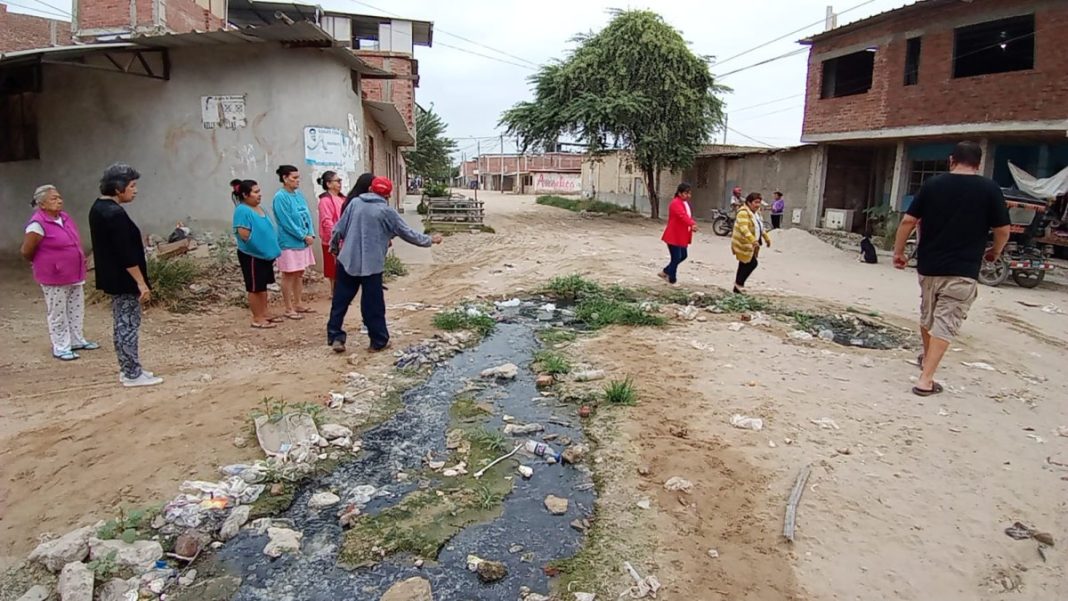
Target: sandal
[[294, 316], [267, 325], [88, 346], [305, 310], [66, 356], [275, 319], [936, 388]]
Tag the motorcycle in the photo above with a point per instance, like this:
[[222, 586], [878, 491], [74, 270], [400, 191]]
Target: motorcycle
[[1027, 265], [722, 222]]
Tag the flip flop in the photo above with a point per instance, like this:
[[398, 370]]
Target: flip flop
[[936, 388], [67, 356], [662, 276], [264, 326], [305, 310], [88, 346], [294, 316], [276, 319]]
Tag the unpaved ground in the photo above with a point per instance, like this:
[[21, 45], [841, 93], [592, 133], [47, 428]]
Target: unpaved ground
[[916, 510]]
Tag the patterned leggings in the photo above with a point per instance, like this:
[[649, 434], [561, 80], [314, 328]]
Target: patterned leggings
[[66, 311], [126, 311]]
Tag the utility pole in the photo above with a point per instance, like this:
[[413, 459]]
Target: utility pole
[[725, 128], [832, 19], [501, 189], [516, 186], [478, 167]]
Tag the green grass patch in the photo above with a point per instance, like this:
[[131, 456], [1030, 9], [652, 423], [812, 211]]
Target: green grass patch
[[741, 303], [548, 362], [573, 287], [395, 268], [556, 335], [579, 204], [461, 319], [803, 321], [170, 280], [448, 229], [491, 441], [621, 392], [599, 312], [465, 408]]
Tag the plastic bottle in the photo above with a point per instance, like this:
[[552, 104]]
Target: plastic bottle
[[541, 449]]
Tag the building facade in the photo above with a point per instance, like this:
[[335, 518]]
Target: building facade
[[888, 97], [548, 173], [19, 32]]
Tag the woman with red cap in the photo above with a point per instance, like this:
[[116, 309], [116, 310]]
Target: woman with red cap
[[366, 228]]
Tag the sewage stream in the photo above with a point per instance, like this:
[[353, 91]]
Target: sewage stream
[[398, 445]]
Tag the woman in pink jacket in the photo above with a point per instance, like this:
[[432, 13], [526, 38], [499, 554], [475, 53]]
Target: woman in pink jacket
[[330, 204], [54, 247]]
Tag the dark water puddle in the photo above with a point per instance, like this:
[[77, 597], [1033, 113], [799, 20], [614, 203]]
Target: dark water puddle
[[398, 445]]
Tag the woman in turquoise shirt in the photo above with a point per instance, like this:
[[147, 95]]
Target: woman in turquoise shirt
[[295, 237], [257, 248]]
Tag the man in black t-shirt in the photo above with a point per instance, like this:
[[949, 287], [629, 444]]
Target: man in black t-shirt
[[955, 212]]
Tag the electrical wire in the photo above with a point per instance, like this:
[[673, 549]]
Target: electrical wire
[[753, 106], [36, 10], [748, 137], [54, 7]]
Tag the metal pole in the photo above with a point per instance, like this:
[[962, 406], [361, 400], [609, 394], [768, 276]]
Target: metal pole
[[501, 189], [478, 167], [725, 116]]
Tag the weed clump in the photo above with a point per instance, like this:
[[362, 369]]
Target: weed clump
[[549, 362], [170, 280], [578, 204], [599, 312], [464, 319], [621, 392], [395, 268]]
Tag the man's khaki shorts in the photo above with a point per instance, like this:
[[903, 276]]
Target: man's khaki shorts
[[944, 304]]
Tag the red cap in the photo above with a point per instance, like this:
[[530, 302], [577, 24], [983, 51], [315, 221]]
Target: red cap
[[382, 186], [737, 190]]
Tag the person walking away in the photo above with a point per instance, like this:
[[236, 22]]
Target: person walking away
[[778, 207], [257, 249], [330, 203], [955, 210], [678, 234], [295, 237], [366, 228], [121, 271], [53, 246], [736, 200], [748, 236]]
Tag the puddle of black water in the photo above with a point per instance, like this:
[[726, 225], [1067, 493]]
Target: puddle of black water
[[399, 445]]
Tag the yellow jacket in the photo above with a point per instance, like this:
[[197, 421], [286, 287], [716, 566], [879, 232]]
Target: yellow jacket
[[745, 235]]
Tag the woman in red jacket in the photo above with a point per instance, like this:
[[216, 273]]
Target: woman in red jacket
[[679, 231]]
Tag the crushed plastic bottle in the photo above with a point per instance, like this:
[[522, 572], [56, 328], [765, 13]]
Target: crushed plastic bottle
[[541, 449]]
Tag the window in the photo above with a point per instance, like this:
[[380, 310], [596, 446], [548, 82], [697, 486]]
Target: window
[[848, 75], [355, 76], [921, 170], [912, 61], [994, 47], [18, 114]]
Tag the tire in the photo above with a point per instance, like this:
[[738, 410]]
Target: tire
[[910, 253], [994, 274], [720, 226], [1028, 278]]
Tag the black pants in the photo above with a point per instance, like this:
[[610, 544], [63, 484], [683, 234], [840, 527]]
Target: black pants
[[776, 221], [678, 255], [372, 307], [744, 271]]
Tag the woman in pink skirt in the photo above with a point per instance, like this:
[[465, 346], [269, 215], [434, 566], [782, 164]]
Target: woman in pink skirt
[[330, 203], [295, 237]]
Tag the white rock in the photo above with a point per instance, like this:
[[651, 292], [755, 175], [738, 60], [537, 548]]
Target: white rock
[[507, 419], [137, 556], [436, 465], [979, 365], [556, 505], [676, 484], [525, 471], [116, 589], [644, 504], [188, 578], [413, 589], [687, 313], [713, 553], [827, 335], [323, 499], [282, 540], [332, 431], [508, 371], [585, 596], [75, 582], [237, 518], [36, 593], [735, 326], [589, 375], [520, 430], [344, 442], [800, 335], [71, 547], [745, 422]]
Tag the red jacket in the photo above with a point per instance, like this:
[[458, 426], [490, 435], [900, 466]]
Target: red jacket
[[678, 231]]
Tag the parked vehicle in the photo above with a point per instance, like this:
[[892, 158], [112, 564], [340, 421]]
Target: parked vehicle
[[722, 222], [1023, 259]]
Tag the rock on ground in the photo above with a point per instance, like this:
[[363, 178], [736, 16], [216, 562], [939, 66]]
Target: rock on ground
[[575, 453], [556, 505], [75, 582], [137, 556], [677, 484], [332, 431], [282, 540], [508, 371], [237, 518], [412, 589], [116, 589], [322, 500], [190, 543], [491, 571], [36, 593], [71, 547], [521, 430]]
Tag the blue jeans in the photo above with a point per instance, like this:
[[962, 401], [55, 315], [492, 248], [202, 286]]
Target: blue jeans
[[372, 307], [678, 255]]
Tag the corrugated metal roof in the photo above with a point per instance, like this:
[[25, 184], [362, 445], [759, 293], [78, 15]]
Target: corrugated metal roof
[[59, 52], [300, 32], [392, 122], [875, 19]]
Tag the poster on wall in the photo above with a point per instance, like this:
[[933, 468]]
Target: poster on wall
[[223, 111], [326, 146], [563, 183]]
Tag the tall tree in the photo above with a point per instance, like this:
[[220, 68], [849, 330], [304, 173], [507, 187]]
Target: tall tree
[[635, 84], [432, 157]]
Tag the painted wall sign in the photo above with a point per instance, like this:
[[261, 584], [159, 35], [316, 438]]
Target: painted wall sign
[[223, 111], [570, 183]]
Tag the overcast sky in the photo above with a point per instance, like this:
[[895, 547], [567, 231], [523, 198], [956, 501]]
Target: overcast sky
[[470, 91]]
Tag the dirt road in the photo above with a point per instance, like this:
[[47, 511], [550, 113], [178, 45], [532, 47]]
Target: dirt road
[[908, 499]]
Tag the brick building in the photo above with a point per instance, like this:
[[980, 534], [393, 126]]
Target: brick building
[[19, 32], [556, 172], [888, 96], [104, 19]]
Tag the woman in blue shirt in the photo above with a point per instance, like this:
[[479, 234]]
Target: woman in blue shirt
[[257, 248], [295, 237]]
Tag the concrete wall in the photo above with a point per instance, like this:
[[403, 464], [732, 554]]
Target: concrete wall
[[615, 179], [89, 119]]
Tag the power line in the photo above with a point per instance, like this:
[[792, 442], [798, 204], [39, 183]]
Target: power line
[[54, 7], [37, 10], [486, 56], [751, 138], [763, 62], [786, 35], [792, 107], [753, 106]]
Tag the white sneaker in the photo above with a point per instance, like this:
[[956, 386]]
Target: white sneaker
[[145, 379], [122, 378]]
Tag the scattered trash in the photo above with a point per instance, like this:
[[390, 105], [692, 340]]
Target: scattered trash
[[541, 449], [825, 423], [644, 504], [589, 375], [278, 436], [643, 587], [735, 326], [1052, 309], [482, 471], [791, 505], [556, 505], [233, 523], [522, 430], [508, 371], [826, 335], [800, 335], [687, 313], [771, 444], [745, 422], [509, 304], [1019, 532], [979, 365], [759, 319], [282, 540], [714, 554], [677, 484]]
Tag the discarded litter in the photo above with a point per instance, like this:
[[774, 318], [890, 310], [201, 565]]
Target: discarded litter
[[978, 365], [800, 335], [687, 313], [521, 430], [643, 587], [677, 484], [541, 449], [525, 471], [508, 371], [700, 346], [482, 471], [735, 326], [509, 304], [825, 423], [589, 375], [714, 554], [745, 422], [826, 334], [790, 523]]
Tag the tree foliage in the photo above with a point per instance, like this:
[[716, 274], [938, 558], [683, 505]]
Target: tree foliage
[[636, 85], [432, 157]]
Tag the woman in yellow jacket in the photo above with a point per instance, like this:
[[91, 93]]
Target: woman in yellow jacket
[[749, 235]]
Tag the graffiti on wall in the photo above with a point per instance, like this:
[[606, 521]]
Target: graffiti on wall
[[567, 183]]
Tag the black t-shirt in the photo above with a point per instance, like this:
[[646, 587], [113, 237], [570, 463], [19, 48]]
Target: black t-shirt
[[117, 246], [956, 213]]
